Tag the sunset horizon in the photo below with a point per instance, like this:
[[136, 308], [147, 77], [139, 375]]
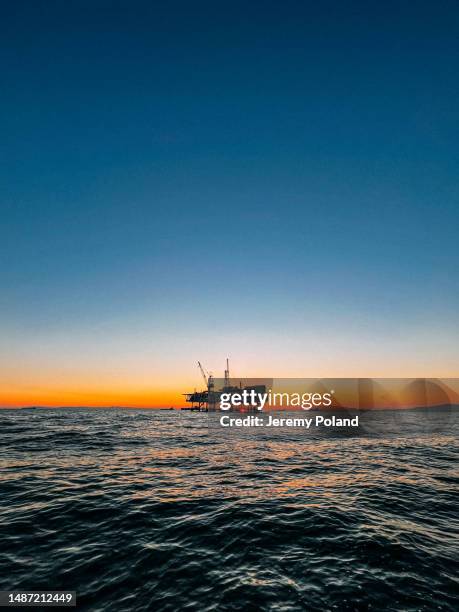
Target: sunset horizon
[[399, 393]]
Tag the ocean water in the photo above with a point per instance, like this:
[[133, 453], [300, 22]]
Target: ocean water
[[154, 510]]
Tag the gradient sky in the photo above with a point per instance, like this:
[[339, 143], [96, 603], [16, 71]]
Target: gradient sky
[[276, 182]]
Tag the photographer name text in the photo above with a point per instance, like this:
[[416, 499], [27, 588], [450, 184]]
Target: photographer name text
[[272, 421]]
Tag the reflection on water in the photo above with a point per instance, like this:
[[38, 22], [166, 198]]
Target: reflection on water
[[146, 509]]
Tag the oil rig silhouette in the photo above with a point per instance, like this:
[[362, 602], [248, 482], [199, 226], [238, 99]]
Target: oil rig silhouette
[[209, 399]]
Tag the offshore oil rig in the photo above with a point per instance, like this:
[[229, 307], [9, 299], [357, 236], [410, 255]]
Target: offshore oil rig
[[209, 399]]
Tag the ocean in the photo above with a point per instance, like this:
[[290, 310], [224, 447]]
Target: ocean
[[155, 510]]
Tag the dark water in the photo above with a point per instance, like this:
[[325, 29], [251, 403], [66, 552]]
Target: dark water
[[140, 510]]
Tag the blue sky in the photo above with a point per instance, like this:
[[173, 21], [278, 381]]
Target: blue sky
[[188, 180]]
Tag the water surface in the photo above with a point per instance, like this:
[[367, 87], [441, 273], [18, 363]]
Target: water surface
[[138, 509]]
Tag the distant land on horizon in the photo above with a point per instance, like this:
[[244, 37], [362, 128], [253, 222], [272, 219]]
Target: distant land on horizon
[[179, 408]]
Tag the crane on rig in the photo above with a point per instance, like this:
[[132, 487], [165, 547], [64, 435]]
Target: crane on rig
[[207, 377]]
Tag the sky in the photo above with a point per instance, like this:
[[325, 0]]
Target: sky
[[273, 182]]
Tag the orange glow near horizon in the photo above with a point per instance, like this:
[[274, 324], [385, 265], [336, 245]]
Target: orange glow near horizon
[[397, 393], [97, 399], [132, 363], [106, 394]]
